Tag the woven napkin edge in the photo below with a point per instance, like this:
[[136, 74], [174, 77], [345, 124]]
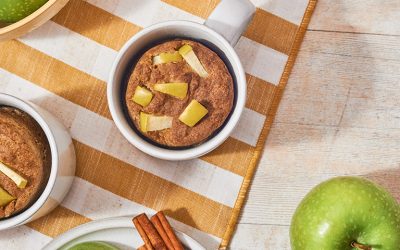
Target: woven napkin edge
[[231, 228]]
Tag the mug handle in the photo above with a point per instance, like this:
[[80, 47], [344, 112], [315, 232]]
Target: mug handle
[[230, 18]]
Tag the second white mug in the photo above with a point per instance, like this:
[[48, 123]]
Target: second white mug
[[63, 161]]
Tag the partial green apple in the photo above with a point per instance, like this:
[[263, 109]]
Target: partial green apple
[[15, 10], [94, 245], [346, 213]]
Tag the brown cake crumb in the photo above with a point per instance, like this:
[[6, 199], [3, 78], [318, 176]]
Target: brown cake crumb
[[25, 149], [215, 92]]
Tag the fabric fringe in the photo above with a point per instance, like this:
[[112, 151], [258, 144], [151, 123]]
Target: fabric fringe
[[267, 126]]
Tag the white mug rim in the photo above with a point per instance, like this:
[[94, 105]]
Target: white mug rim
[[211, 143], [28, 213]]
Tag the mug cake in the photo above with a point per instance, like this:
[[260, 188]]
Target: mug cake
[[25, 161], [179, 93]]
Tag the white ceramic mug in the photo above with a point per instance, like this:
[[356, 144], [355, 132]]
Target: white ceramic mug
[[63, 163], [221, 31]]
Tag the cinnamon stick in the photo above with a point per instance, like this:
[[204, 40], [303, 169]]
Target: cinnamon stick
[[148, 233], [143, 234], [177, 245], [142, 248], [160, 229]]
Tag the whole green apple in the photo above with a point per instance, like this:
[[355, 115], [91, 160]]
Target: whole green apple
[[346, 213], [14, 10]]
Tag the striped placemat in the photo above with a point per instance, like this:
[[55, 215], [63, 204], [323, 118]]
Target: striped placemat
[[63, 66]]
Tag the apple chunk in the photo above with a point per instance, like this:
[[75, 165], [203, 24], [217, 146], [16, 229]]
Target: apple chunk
[[190, 57], [143, 121], [155, 123], [150, 122], [15, 177], [142, 96], [167, 57], [176, 89], [193, 113], [5, 197]]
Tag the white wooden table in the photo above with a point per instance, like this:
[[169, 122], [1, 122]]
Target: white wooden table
[[340, 115]]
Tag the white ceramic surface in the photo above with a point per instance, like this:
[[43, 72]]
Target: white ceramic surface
[[62, 167], [118, 231], [243, 11], [230, 19]]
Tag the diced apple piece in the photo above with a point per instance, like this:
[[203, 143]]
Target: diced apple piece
[[150, 122], [167, 57], [157, 60], [176, 89], [190, 57], [5, 197], [185, 49], [15, 177], [155, 123], [142, 96], [193, 113], [143, 121]]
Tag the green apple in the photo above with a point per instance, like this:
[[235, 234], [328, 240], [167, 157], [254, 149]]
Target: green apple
[[346, 213], [15, 10], [93, 245]]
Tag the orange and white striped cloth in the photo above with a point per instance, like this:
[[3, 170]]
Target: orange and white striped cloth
[[63, 66]]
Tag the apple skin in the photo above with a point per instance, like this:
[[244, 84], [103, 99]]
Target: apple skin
[[345, 209], [15, 10], [94, 245]]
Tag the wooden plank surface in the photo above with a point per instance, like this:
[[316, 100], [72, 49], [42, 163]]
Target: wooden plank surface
[[359, 16], [340, 115]]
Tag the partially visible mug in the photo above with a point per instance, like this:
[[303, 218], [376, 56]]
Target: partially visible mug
[[221, 32], [63, 163]]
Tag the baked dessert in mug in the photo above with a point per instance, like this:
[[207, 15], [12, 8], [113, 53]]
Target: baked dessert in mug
[[179, 93], [25, 161]]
